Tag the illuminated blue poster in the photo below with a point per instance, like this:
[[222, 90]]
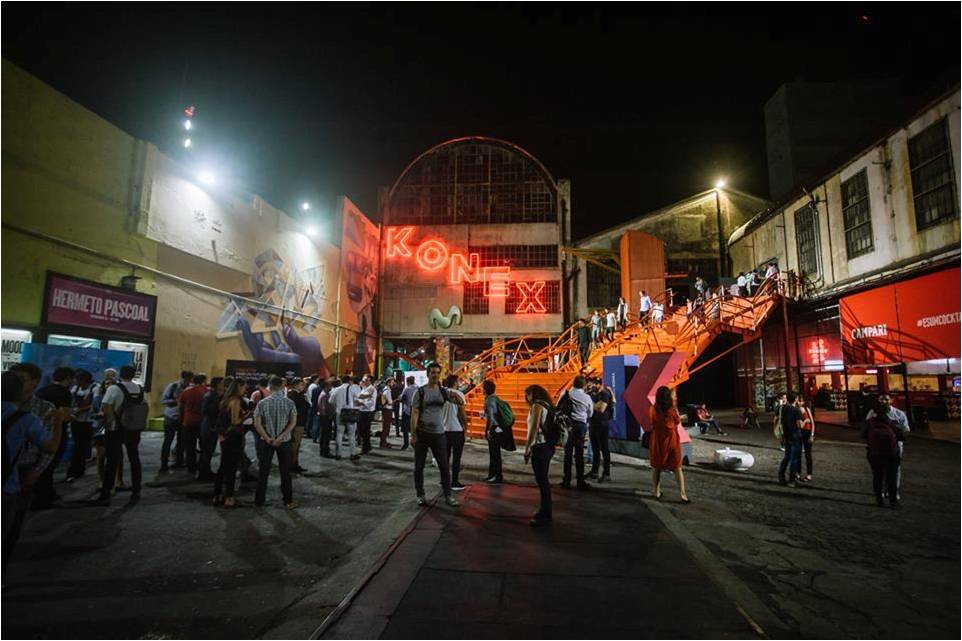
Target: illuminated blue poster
[[95, 361]]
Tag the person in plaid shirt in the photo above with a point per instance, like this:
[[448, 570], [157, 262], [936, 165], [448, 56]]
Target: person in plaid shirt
[[274, 419]]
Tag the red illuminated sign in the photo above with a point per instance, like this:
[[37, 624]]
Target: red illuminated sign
[[397, 242], [817, 350], [433, 254], [531, 298]]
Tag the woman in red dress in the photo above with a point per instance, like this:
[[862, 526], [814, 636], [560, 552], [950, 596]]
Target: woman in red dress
[[665, 449]]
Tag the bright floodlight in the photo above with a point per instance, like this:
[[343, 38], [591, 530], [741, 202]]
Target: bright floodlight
[[206, 177], [187, 143], [720, 184], [188, 125], [312, 230], [305, 206]]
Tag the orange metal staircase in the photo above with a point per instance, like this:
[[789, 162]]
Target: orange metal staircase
[[514, 365]]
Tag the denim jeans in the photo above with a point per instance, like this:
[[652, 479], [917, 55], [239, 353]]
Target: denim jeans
[[172, 429], [792, 460], [437, 443], [285, 461], [540, 461], [455, 446], [599, 444], [575, 447]]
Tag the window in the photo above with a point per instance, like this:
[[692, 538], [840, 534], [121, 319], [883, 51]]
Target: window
[[933, 184], [549, 297], [73, 341], [857, 215], [517, 256], [604, 286], [474, 302], [806, 234], [13, 342], [141, 352]]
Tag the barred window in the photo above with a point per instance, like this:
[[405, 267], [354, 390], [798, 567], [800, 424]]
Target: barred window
[[474, 301], [806, 234], [604, 286], [533, 297], [468, 182], [517, 256], [857, 215], [933, 180]]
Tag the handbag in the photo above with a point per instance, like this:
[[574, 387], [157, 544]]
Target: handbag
[[349, 414]]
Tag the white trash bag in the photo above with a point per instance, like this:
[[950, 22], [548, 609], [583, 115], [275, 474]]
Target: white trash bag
[[736, 460]]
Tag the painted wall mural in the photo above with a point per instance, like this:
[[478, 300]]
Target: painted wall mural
[[270, 334], [360, 239]]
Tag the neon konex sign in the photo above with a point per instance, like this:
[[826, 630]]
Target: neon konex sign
[[434, 255]]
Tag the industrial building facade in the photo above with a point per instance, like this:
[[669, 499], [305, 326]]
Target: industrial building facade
[[471, 247], [876, 242]]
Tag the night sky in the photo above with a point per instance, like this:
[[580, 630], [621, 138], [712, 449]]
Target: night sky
[[637, 105]]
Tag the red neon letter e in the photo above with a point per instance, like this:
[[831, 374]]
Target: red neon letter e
[[531, 298], [496, 281], [465, 270], [397, 241], [432, 254]]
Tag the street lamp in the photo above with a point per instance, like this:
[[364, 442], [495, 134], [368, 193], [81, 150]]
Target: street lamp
[[722, 253], [312, 231], [305, 206], [206, 177]]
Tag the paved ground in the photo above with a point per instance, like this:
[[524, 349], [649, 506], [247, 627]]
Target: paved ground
[[819, 561], [609, 569], [174, 567]]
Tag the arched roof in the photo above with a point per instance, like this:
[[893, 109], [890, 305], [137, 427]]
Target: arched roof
[[474, 179]]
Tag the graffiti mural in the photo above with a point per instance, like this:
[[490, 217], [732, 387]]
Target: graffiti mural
[[273, 335], [359, 255]]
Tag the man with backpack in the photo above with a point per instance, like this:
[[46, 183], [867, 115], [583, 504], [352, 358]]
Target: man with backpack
[[499, 420], [20, 428], [603, 411], [882, 451], [125, 416], [172, 428], [427, 422], [791, 419], [579, 407], [900, 423]]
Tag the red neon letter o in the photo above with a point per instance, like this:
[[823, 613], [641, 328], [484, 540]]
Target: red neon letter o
[[432, 254]]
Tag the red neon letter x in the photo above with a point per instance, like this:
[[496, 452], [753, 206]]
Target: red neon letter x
[[397, 242], [531, 298]]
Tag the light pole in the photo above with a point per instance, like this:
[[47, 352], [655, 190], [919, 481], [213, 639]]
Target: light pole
[[722, 254]]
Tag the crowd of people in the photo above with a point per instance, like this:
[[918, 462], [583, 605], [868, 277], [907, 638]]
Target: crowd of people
[[104, 420]]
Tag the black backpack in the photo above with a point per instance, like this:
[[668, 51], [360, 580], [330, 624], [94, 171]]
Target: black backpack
[[557, 425], [9, 458]]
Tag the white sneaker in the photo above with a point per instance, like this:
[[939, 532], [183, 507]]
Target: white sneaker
[[422, 501], [451, 501]]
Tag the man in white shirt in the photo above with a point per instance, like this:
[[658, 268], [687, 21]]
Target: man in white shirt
[[610, 321], [900, 422], [387, 412], [453, 415], [407, 397], [367, 403], [119, 439], [644, 306], [579, 406], [344, 397], [771, 271], [741, 282]]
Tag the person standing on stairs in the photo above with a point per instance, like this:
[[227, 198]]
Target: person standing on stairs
[[584, 341], [596, 330], [644, 306], [623, 313], [610, 321], [579, 406]]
